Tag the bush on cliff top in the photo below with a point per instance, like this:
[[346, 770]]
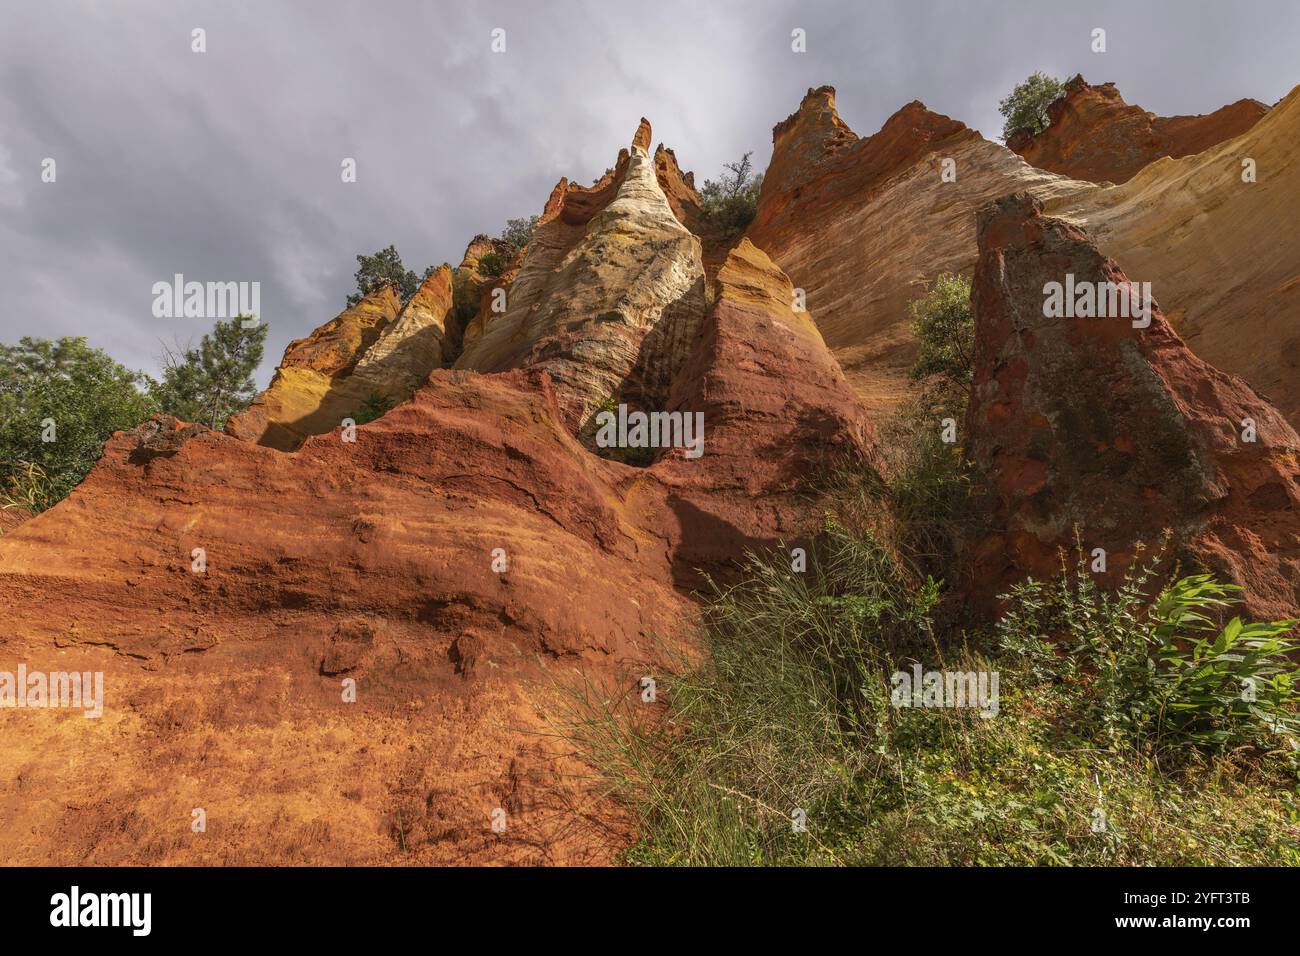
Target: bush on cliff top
[[1025, 107]]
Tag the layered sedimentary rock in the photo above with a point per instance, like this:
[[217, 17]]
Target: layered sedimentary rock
[[307, 394], [1093, 134], [378, 349], [778, 411], [415, 343], [1214, 233], [1100, 427], [563, 224], [612, 315], [339, 652], [863, 225]]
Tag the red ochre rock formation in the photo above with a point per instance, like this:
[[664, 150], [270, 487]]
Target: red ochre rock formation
[[1093, 134], [1215, 235], [1116, 431], [864, 224], [373, 561]]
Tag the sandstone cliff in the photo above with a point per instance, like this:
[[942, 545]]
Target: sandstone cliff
[[1213, 233], [1093, 134], [457, 556], [610, 316], [863, 225]]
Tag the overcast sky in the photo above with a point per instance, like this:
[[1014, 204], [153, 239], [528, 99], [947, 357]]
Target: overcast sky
[[225, 165]]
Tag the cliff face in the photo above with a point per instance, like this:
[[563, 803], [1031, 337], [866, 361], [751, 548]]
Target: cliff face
[[1212, 232], [457, 558], [448, 562], [1094, 426], [1093, 134], [1217, 248], [863, 225]]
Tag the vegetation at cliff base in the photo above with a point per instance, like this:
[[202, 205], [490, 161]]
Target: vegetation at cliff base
[[1118, 736]]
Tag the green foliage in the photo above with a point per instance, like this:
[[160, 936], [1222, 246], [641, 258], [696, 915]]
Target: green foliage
[[374, 406], [210, 383], [1162, 678], [944, 324], [518, 232], [491, 264], [384, 266], [82, 391], [788, 708], [1025, 107], [731, 201]]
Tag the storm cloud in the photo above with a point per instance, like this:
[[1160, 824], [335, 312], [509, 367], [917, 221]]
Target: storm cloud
[[225, 165]]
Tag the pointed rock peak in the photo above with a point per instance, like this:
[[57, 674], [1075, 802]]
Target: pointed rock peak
[[643, 137], [817, 111], [436, 285], [749, 277]]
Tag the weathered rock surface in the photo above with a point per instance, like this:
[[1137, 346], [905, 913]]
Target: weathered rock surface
[[1116, 431], [373, 561], [415, 344], [610, 316], [1093, 134], [1222, 253], [330, 375], [863, 225], [865, 241], [311, 391], [778, 410]]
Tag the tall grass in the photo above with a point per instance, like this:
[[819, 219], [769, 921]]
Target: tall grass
[[782, 716]]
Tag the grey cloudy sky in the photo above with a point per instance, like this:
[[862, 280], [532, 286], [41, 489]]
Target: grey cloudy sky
[[225, 165]]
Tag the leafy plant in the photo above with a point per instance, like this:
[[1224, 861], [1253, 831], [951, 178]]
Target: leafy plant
[[373, 407], [491, 264], [944, 325], [213, 381], [1161, 675], [59, 401], [518, 232], [27, 488], [1025, 107], [731, 201], [385, 266]]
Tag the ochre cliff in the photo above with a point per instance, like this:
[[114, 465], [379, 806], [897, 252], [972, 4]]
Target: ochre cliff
[[1214, 235], [863, 225], [1101, 428], [1093, 134], [459, 561]]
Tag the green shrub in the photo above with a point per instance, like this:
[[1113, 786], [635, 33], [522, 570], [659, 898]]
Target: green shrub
[[373, 407], [944, 325], [491, 264], [730, 202], [1162, 675], [1025, 107], [786, 708], [59, 401]]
